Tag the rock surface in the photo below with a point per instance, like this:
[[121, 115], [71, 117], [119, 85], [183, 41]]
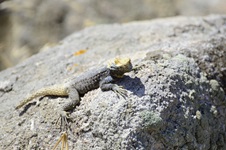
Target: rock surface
[[28, 25], [176, 92]]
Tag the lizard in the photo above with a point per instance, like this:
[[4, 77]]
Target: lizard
[[102, 77]]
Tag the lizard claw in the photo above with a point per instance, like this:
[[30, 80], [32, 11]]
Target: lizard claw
[[119, 90], [64, 117]]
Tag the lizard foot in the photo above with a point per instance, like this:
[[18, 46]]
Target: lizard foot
[[119, 90], [64, 117]]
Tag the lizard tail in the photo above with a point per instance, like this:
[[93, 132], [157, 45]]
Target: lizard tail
[[56, 90]]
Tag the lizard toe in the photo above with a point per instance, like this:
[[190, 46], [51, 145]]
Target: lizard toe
[[119, 90], [64, 117]]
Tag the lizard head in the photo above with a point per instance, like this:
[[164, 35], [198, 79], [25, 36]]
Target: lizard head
[[119, 66]]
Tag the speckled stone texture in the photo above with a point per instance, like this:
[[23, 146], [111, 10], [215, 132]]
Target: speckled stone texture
[[176, 92]]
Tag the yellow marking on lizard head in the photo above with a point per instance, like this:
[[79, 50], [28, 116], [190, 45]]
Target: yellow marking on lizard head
[[119, 62], [122, 61], [120, 65]]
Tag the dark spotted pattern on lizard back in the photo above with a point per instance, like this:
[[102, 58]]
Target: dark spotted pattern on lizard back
[[90, 80]]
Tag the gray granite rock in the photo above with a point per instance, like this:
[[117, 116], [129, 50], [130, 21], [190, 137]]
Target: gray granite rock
[[176, 92], [28, 25]]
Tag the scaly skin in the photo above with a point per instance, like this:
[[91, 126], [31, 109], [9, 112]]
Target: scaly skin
[[101, 77], [57, 90]]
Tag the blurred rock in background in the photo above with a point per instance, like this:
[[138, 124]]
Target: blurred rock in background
[[28, 26]]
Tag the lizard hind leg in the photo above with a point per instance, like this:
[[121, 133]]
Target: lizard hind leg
[[64, 114], [63, 120], [74, 99]]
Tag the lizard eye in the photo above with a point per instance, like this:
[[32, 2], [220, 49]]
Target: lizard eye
[[113, 67]]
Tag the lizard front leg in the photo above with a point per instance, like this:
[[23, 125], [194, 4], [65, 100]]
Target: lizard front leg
[[106, 85]]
